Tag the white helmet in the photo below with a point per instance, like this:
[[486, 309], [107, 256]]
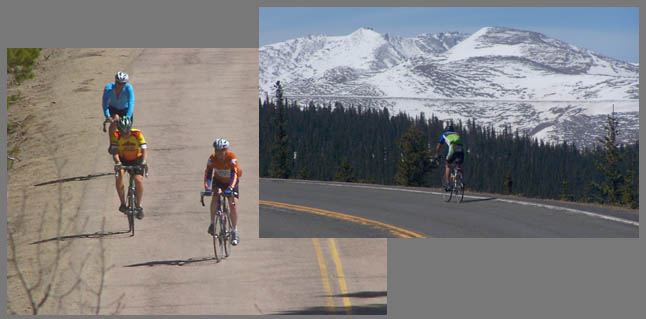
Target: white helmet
[[121, 77], [220, 144]]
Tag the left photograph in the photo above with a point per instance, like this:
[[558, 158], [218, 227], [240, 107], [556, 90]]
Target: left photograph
[[132, 188]]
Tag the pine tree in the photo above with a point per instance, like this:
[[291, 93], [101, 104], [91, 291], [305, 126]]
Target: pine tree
[[344, 172], [508, 182], [280, 162], [20, 62], [414, 162], [608, 159]]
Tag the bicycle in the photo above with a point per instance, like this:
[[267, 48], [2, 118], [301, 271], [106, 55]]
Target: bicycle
[[131, 209], [222, 229], [456, 185], [456, 182]]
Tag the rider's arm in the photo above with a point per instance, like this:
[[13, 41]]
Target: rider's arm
[[234, 178], [144, 154], [438, 148], [131, 99], [106, 97], [208, 175], [116, 158]]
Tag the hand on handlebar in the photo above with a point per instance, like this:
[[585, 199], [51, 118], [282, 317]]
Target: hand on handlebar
[[228, 192], [107, 120], [117, 168]]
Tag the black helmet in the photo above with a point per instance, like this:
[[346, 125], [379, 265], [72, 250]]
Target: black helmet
[[448, 125]]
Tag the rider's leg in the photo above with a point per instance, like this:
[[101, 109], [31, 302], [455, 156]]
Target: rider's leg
[[139, 189], [233, 203], [446, 173], [215, 202], [119, 186]]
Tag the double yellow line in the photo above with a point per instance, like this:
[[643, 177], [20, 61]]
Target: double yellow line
[[339, 271], [397, 231]]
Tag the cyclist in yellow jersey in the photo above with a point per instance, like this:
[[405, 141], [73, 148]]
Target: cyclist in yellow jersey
[[128, 147]]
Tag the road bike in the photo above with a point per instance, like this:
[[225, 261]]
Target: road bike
[[456, 185], [222, 229], [131, 208]]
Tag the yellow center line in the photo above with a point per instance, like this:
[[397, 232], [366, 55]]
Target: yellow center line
[[397, 231], [324, 276], [339, 272]]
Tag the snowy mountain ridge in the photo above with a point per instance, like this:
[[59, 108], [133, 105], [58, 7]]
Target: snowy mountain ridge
[[542, 86]]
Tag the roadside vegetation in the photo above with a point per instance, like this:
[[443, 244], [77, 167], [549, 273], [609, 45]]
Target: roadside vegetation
[[20, 67]]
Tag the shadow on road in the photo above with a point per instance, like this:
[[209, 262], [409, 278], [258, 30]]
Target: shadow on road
[[177, 262], [477, 200], [364, 294], [94, 235], [374, 309], [78, 178]]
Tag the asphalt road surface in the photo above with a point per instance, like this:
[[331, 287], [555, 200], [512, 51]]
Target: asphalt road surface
[[296, 208], [185, 98]]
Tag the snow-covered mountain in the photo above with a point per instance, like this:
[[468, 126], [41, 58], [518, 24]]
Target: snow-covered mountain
[[542, 86]]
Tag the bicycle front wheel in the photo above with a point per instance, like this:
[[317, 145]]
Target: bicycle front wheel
[[131, 211], [217, 239]]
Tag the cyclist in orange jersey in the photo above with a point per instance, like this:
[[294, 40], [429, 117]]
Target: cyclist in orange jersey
[[226, 179], [128, 147]]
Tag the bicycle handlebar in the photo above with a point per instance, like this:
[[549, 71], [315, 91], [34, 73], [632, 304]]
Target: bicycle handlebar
[[108, 120], [204, 193], [129, 169]]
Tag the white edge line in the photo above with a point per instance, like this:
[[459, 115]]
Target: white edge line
[[572, 210]]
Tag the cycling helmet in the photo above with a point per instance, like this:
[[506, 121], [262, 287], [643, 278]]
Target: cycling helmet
[[220, 144], [124, 124], [448, 125], [121, 77]]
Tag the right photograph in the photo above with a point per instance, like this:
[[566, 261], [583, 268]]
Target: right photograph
[[480, 122]]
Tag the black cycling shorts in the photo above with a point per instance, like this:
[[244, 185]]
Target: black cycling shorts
[[224, 186], [457, 157], [121, 113]]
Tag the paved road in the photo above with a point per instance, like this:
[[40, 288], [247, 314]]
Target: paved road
[[423, 213], [185, 98]]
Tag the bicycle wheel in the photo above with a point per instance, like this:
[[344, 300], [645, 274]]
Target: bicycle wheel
[[447, 195], [459, 187], [131, 211], [226, 230], [217, 240]]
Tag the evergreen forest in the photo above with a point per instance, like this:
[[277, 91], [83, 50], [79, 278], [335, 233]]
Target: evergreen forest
[[366, 145]]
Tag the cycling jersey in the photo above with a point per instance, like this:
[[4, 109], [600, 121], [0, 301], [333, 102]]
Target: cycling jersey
[[450, 138], [130, 147], [453, 140], [226, 170], [125, 101]]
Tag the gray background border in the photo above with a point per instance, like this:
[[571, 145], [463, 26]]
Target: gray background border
[[438, 278]]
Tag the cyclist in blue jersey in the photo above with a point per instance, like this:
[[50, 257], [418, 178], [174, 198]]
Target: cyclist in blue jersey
[[118, 100], [456, 152]]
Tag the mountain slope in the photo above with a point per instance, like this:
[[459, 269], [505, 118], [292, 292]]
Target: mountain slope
[[500, 76]]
